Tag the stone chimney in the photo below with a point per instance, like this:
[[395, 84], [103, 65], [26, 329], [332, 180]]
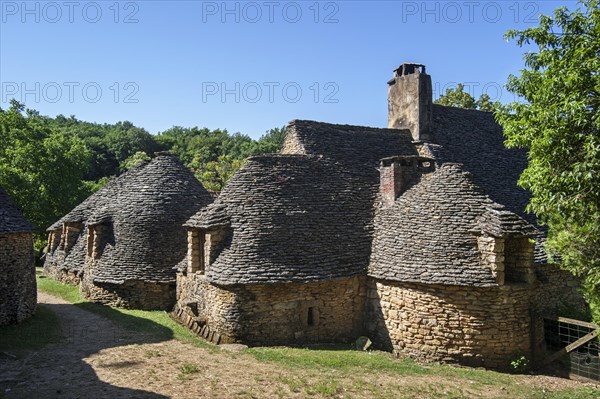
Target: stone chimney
[[398, 174], [410, 101]]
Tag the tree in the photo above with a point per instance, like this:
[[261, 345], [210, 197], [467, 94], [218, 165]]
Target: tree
[[271, 142], [40, 167], [215, 155], [558, 121], [485, 104], [461, 99], [134, 160], [457, 98], [216, 174]]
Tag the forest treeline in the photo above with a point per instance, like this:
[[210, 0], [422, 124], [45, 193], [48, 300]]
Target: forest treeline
[[49, 165]]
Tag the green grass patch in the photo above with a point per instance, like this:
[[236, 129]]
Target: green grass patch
[[154, 322], [69, 293], [345, 362], [39, 330], [187, 370]]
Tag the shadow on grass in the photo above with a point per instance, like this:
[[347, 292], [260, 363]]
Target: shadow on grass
[[39, 330], [63, 370]]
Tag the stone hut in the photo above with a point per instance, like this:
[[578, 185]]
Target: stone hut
[[123, 242], [66, 251], [18, 295], [281, 256], [414, 235]]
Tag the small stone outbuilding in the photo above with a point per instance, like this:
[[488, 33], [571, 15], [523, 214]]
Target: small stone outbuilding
[[122, 243], [18, 295], [415, 235], [66, 251]]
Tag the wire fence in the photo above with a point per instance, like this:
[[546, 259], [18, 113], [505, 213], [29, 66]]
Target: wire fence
[[573, 346]]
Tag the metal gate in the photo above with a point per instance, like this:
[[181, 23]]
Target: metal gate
[[573, 346]]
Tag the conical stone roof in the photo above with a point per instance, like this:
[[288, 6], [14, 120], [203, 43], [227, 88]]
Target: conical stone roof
[[146, 214], [11, 218]]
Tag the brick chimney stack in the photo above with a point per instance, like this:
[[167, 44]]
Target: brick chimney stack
[[410, 101], [398, 174]]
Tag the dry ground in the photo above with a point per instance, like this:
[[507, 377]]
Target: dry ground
[[99, 359]]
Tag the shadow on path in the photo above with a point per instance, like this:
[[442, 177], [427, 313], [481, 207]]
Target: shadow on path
[[60, 371]]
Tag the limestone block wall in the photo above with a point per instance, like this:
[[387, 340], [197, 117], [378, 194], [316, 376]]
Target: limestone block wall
[[207, 309], [558, 292], [326, 311], [18, 295], [53, 268], [131, 294], [485, 326]]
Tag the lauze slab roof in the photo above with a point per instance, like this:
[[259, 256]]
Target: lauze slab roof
[[145, 209], [11, 218], [310, 214]]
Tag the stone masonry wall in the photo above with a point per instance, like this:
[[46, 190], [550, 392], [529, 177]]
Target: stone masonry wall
[[63, 276], [473, 326], [18, 295], [559, 292], [206, 309], [327, 311], [130, 295]]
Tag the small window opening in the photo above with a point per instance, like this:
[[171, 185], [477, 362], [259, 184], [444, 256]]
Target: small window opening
[[215, 240], [53, 241], [90, 241], [70, 235], [518, 260], [196, 251], [310, 319]]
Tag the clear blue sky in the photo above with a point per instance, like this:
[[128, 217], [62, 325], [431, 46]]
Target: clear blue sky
[[248, 66]]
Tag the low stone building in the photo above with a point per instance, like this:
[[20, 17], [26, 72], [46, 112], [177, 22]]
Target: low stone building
[[122, 243], [414, 235], [18, 295], [66, 250]]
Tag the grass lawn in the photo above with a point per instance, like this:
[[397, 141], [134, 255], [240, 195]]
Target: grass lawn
[[331, 371]]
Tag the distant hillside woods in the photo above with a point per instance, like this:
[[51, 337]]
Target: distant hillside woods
[[49, 165]]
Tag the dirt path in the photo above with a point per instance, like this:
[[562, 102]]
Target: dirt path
[[100, 360]]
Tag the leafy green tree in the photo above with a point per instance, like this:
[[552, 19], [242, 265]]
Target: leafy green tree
[[271, 142], [215, 155], [125, 139], [134, 160], [485, 104], [461, 99], [559, 123], [40, 167], [215, 174], [457, 98]]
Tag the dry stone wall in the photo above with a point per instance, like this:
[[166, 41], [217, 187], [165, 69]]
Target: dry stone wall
[[207, 309], [559, 292], [327, 311], [469, 325], [64, 276], [18, 296], [131, 294]]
